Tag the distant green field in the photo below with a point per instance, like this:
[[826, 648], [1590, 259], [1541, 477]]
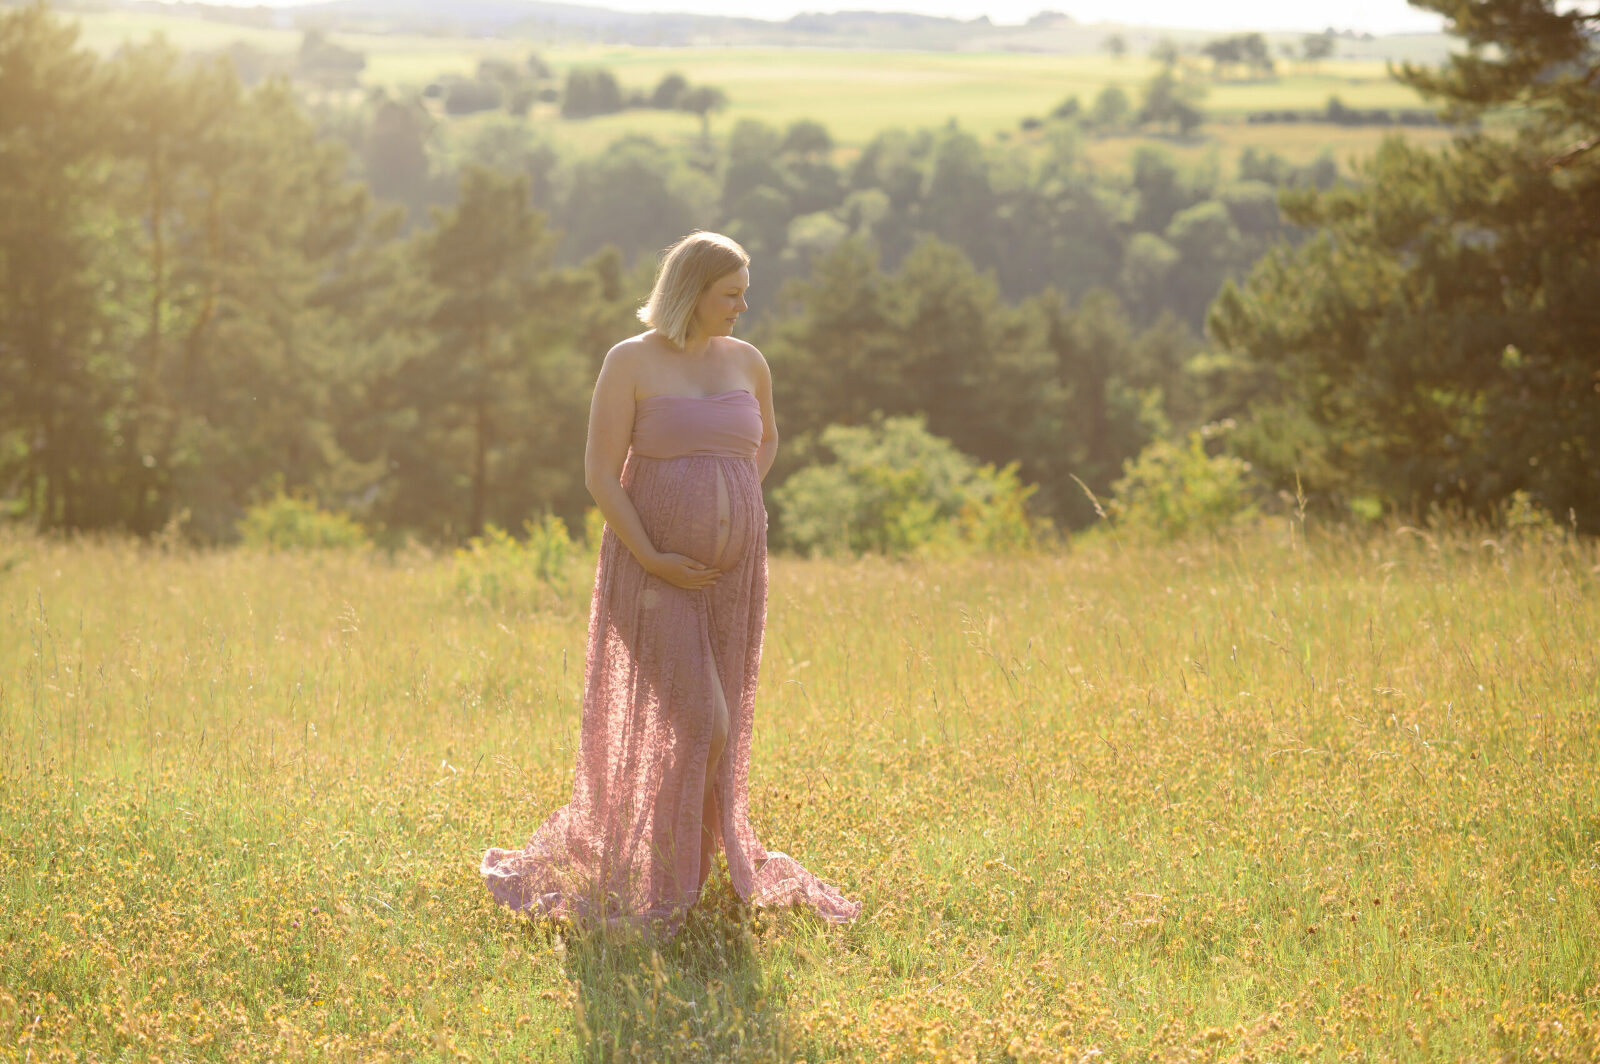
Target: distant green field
[[855, 94], [106, 31]]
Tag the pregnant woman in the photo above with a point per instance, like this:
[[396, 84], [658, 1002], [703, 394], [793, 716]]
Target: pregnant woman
[[681, 432]]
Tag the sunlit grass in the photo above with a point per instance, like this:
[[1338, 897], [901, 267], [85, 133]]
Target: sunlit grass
[[1267, 798]]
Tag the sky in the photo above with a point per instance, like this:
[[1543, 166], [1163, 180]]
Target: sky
[[1374, 16]]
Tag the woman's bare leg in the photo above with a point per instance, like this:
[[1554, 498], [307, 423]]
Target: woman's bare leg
[[719, 706], [710, 814]]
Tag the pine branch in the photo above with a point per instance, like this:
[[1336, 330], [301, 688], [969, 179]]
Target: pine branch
[[1573, 153]]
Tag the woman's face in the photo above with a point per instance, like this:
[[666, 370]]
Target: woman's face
[[721, 304]]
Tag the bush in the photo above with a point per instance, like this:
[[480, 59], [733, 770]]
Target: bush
[[995, 515], [894, 488], [327, 64], [591, 91], [1171, 490], [1526, 521], [287, 522], [464, 97], [668, 91], [498, 570], [522, 101], [594, 526], [1068, 108], [1111, 108]]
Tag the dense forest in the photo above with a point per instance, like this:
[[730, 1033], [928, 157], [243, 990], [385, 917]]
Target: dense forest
[[210, 292]]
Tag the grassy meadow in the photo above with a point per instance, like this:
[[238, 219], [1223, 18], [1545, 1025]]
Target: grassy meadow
[[855, 93], [1287, 795]]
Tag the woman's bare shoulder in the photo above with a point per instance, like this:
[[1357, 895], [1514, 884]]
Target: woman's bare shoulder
[[743, 353], [627, 358], [633, 348]]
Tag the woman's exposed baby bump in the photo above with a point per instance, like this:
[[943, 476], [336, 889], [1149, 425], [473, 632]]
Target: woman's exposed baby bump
[[733, 519], [713, 516]]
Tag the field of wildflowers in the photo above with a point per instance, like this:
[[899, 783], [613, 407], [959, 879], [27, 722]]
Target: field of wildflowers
[[1268, 797]]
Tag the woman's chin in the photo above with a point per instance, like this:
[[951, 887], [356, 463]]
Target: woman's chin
[[721, 329]]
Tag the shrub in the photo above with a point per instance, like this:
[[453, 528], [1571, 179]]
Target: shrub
[[1526, 521], [521, 101], [1111, 108], [288, 522], [464, 97], [591, 91], [594, 526], [894, 488], [995, 515], [498, 570], [668, 91], [1171, 490]]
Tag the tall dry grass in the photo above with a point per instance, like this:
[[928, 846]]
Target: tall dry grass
[[1273, 797]]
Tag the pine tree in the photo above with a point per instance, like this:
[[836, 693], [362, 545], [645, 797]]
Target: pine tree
[[236, 221], [491, 304], [1435, 343], [834, 349], [52, 125], [169, 123]]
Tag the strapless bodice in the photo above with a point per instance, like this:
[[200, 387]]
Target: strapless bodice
[[675, 426]]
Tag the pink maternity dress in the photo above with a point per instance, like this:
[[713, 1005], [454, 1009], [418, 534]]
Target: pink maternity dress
[[627, 846]]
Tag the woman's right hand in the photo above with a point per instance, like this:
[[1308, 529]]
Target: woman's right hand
[[680, 570]]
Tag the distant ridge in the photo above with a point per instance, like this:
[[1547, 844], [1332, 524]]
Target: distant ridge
[[1047, 31], [529, 17]]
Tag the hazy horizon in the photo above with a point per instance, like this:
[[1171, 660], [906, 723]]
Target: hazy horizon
[[1372, 16]]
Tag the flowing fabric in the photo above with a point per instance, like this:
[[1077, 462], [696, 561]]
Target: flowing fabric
[[628, 845]]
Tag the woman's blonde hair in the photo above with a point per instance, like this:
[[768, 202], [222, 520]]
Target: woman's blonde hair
[[687, 268]]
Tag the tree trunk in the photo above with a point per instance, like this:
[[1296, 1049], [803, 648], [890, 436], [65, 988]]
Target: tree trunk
[[480, 424], [480, 465], [195, 342], [52, 471], [149, 385]]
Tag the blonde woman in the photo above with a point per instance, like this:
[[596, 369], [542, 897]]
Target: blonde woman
[[681, 433]]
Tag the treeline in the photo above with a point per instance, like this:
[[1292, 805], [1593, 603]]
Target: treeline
[[1437, 343], [594, 91], [206, 295], [1241, 51], [1337, 113], [1166, 101], [496, 84], [1068, 390], [1035, 209], [201, 307]]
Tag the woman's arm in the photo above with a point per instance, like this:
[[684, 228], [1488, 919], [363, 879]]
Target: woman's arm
[[610, 433], [761, 374]]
